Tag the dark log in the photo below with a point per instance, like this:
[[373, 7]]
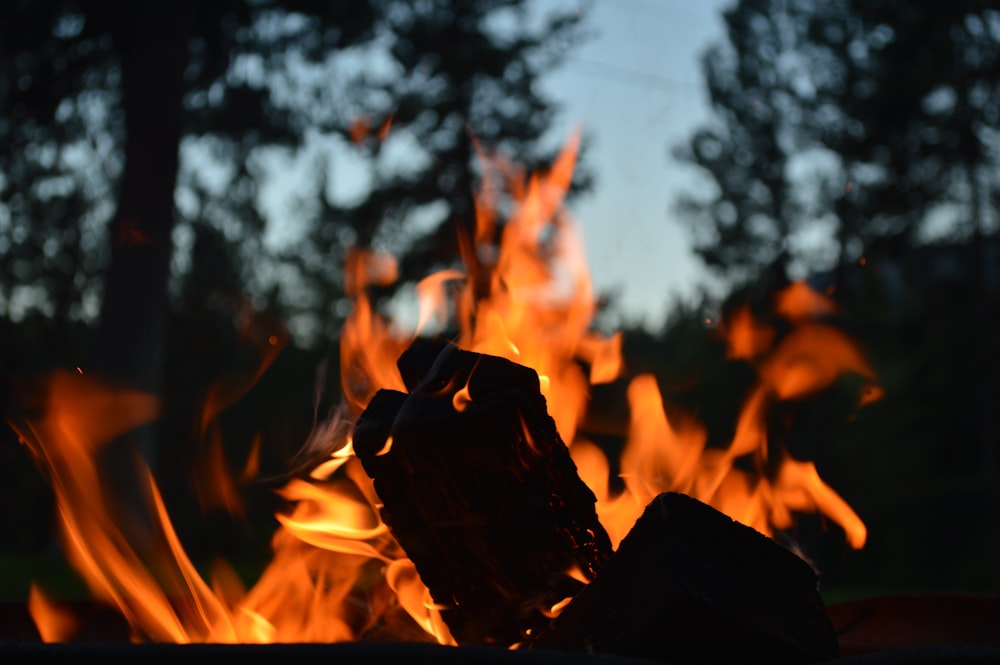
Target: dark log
[[690, 585], [480, 491]]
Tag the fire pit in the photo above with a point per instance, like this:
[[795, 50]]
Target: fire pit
[[882, 630], [455, 501], [363, 654]]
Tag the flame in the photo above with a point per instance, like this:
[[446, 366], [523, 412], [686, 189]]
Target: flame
[[799, 302], [308, 592], [746, 338], [54, 623], [215, 485], [416, 599], [526, 296], [670, 455], [360, 129], [369, 346]]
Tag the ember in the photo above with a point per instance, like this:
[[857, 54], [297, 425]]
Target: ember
[[338, 573]]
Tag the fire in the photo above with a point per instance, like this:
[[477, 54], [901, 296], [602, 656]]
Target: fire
[[336, 568]]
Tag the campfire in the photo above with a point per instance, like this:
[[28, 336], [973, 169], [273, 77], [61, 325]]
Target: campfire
[[454, 498]]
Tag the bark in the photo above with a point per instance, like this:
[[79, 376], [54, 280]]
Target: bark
[[481, 494], [690, 585], [130, 341], [984, 386], [129, 345]]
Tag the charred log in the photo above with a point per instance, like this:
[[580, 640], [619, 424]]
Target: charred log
[[690, 585], [480, 491]]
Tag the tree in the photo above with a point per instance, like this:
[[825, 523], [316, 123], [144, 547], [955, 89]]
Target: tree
[[454, 75], [99, 97], [746, 152], [851, 120], [232, 93]]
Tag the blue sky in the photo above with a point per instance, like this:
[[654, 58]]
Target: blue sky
[[636, 90]]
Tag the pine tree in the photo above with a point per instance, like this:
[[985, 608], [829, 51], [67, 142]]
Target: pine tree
[[144, 123], [851, 120], [462, 74]]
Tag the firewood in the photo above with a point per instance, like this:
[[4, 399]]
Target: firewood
[[690, 585], [480, 491]]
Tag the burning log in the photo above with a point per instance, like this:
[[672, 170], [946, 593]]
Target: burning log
[[690, 585], [480, 491]]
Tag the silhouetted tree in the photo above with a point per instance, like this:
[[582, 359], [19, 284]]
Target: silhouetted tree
[[454, 74], [98, 100], [232, 94], [849, 120], [746, 151]]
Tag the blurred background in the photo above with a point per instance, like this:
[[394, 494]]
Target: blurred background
[[180, 184]]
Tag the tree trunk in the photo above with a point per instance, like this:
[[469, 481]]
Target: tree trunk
[[845, 229], [130, 341], [985, 397]]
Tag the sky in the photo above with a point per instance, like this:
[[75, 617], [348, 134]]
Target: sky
[[635, 89]]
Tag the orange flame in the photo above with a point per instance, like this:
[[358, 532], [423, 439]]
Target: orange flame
[[335, 566], [215, 485], [54, 623]]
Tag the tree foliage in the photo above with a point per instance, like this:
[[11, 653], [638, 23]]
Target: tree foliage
[[66, 105], [376, 99], [838, 123], [453, 77]]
